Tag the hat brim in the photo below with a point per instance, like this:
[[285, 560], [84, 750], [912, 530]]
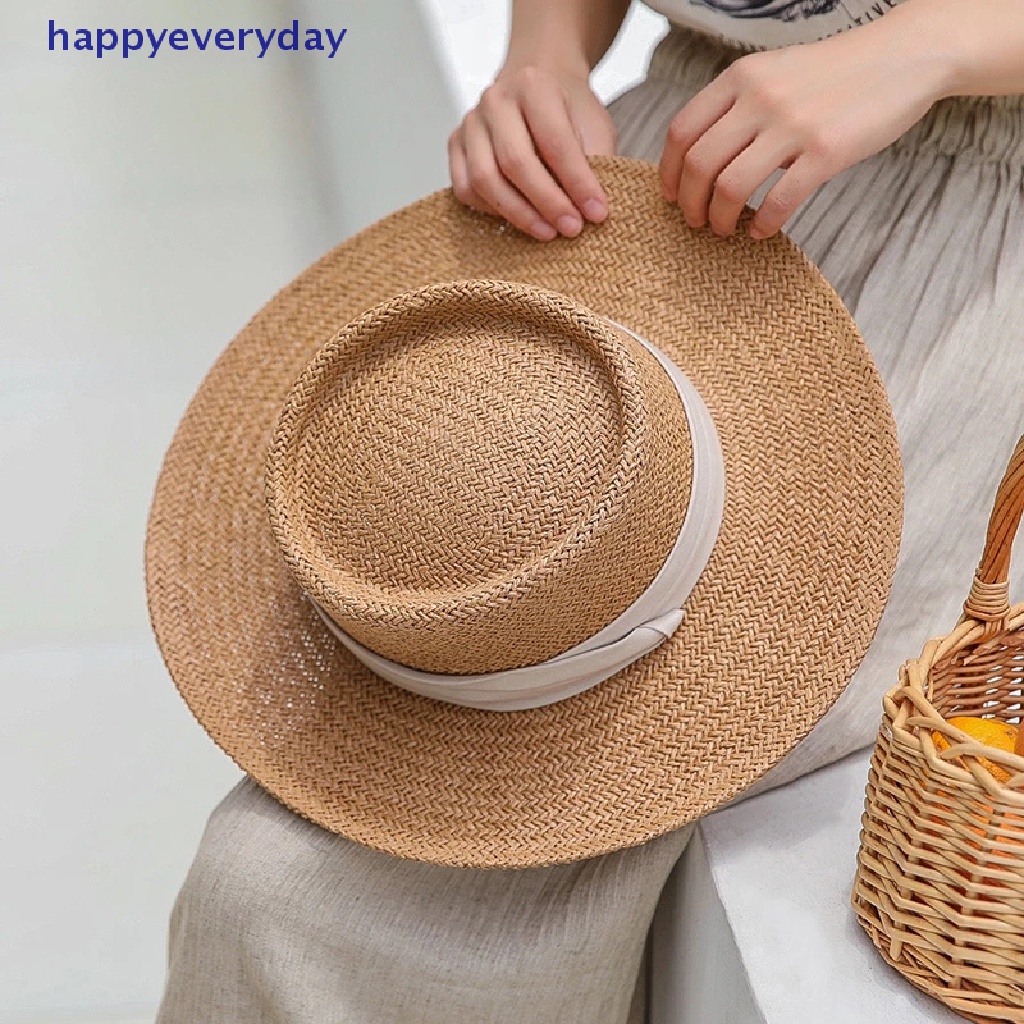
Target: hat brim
[[771, 634]]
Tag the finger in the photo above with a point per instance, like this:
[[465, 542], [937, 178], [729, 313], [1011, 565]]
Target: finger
[[803, 177], [491, 186], [704, 162], [561, 148], [742, 178], [710, 104], [460, 176], [520, 163]]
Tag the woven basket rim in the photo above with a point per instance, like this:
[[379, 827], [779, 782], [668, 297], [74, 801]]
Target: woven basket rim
[[915, 727]]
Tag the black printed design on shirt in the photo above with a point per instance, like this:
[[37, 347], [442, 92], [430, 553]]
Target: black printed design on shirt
[[781, 10]]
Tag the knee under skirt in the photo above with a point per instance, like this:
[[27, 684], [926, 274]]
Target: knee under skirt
[[280, 922]]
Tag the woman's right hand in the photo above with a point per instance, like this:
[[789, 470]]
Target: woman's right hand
[[521, 153]]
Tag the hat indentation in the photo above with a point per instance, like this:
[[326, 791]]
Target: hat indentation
[[479, 475]]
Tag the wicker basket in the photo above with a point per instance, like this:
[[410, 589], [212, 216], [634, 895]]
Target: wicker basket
[[940, 873]]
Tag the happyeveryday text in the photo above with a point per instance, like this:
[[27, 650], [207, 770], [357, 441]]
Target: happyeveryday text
[[149, 42]]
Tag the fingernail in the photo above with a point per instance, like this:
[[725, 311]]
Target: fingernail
[[758, 234], [595, 210], [569, 225], [543, 230]]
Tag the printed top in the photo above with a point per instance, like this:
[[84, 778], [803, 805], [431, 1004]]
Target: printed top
[[765, 24]]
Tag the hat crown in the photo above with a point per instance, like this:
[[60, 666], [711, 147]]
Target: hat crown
[[478, 476]]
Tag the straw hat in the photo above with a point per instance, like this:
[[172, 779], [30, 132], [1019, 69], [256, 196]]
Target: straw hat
[[497, 553]]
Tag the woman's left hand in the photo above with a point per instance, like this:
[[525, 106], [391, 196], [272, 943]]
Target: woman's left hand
[[814, 109]]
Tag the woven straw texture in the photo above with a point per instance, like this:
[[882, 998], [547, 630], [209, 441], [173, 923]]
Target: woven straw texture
[[940, 872], [775, 627], [479, 476]]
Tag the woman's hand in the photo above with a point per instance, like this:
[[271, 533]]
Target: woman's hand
[[814, 110], [521, 153]]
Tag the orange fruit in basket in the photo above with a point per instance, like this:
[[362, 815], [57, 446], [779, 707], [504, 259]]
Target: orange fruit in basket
[[1000, 735], [989, 731]]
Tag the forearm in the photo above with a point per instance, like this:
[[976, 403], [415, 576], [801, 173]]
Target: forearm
[[569, 35], [975, 47]]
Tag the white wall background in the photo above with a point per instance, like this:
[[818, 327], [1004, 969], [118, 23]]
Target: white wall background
[[147, 209]]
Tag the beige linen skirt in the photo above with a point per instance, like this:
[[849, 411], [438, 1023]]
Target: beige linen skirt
[[281, 922]]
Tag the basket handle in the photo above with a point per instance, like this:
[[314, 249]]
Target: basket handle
[[989, 600]]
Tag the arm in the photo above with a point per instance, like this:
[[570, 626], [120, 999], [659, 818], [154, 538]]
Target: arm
[[567, 34], [521, 153], [816, 109], [980, 42]]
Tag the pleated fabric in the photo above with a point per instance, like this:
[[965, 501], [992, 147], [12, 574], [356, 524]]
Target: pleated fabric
[[282, 922]]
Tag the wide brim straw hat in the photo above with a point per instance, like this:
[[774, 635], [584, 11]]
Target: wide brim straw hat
[[446, 455]]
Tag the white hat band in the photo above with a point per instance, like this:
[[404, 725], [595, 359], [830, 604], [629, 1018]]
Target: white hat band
[[645, 624]]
